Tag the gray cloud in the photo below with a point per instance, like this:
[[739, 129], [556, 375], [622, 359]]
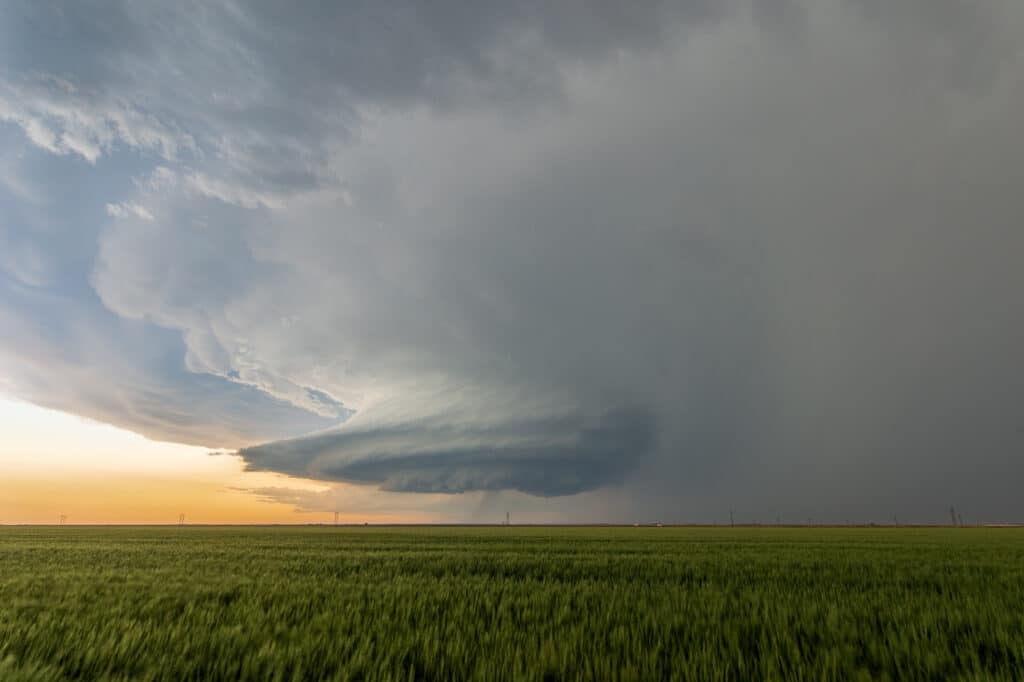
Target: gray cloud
[[548, 456], [263, 91], [92, 364], [750, 254]]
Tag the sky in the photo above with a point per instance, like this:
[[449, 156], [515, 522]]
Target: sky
[[576, 261]]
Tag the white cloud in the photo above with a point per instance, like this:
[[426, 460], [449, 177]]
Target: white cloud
[[231, 193], [159, 179], [62, 119], [127, 209], [38, 133]]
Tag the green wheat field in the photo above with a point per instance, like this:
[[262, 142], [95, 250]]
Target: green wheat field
[[510, 603]]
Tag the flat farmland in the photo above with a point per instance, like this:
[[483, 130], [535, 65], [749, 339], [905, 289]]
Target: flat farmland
[[510, 603]]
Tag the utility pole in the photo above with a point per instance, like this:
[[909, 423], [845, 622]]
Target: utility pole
[[508, 519]]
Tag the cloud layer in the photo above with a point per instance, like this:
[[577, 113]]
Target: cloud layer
[[697, 254], [546, 456]]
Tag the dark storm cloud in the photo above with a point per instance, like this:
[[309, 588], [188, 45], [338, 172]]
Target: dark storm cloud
[[254, 92], [683, 256], [548, 456]]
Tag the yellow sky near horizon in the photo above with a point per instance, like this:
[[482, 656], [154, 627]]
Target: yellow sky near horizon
[[53, 464]]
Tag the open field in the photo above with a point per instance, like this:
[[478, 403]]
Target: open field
[[208, 603]]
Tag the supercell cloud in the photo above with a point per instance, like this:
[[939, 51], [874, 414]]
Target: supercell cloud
[[652, 263], [552, 455]]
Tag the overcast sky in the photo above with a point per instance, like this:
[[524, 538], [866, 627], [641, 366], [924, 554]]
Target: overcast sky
[[597, 260]]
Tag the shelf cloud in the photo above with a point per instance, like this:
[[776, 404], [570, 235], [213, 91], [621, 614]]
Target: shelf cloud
[[546, 457]]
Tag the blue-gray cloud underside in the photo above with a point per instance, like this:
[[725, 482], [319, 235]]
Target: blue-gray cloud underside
[[77, 357], [545, 457]]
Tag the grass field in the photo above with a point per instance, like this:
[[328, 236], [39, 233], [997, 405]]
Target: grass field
[[207, 603]]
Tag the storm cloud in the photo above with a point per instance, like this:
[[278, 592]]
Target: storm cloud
[[688, 256], [547, 456]]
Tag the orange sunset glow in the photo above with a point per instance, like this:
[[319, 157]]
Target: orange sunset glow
[[53, 464]]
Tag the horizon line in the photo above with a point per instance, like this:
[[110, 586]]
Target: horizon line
[[512, 525]]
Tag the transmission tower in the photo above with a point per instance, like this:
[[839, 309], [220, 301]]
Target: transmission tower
[[63, 519], [181, 519], [952, 515], [335, 518]]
